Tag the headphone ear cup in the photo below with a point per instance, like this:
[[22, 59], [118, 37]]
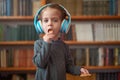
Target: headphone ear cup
[[39, 27], [64, 26]]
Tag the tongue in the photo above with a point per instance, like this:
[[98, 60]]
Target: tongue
[[50, 31]]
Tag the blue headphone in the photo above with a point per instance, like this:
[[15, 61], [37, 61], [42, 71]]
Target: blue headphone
[[64, 26]]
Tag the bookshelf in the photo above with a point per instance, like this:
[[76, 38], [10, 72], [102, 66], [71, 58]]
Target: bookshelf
[[109, 70], [82, 18], [32, 69], [76, 18], [16, 18]]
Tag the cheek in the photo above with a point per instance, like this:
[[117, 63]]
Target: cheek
[[58, 28], [44, 28]]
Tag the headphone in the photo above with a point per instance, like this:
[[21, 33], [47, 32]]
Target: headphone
[[64, 26]]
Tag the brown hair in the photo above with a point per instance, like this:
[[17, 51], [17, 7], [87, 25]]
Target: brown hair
[[58, 7]]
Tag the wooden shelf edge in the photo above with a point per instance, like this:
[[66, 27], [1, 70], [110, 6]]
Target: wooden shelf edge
[[17, 69], [102, 67], [33, 68], [92, 42], [67, 42], [95, 17], [16, 18], [17, 43], [30, 18]]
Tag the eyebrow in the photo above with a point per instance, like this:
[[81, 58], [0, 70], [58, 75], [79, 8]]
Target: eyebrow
[[52, 18]]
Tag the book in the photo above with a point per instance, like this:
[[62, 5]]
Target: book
[[116, 56], [36, 6], [78, 7], [84, 32], [101, 56], [1, 32], [98, 29], [80, 57], [93, 56], [87, 57], [15, 7], [30, 54]]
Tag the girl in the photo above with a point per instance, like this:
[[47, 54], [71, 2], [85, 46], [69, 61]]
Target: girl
[[51, 54]]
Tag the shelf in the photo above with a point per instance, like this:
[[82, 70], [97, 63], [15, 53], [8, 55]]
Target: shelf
[[12, 43], [95, 17], [92, 43], [16, 18], [102, 67], [30, 18], [13, 69]]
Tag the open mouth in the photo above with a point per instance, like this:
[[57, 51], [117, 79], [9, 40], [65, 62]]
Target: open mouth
[[50, 31]]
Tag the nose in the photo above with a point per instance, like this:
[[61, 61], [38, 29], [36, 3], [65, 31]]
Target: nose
[[50, 23]]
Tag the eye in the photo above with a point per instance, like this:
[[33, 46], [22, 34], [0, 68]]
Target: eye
[[45, 20], [55, 20]]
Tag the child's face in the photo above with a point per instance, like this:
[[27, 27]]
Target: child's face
[[51, 20]]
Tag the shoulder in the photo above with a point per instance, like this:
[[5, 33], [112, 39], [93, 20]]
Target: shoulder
[[39, 42]]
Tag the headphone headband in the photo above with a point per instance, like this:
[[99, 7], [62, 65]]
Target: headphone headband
[[64, 26]]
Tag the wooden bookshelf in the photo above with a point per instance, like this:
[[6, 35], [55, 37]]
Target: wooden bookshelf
[[102, 67], [5, 43], [79, 18], [74, 18], [14, 19], [12, 69], [92, 43]]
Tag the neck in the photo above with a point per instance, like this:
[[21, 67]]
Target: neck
[[57, 37]]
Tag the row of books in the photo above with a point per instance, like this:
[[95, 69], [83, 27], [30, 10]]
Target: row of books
[[28, 76], [78, 32], [95, 76], [96, 31], [98, 56], [82, 56], [108, 76], [18, 7], [90, 7], [16, 57], [100, 7], [79, 7], [17, 32]]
